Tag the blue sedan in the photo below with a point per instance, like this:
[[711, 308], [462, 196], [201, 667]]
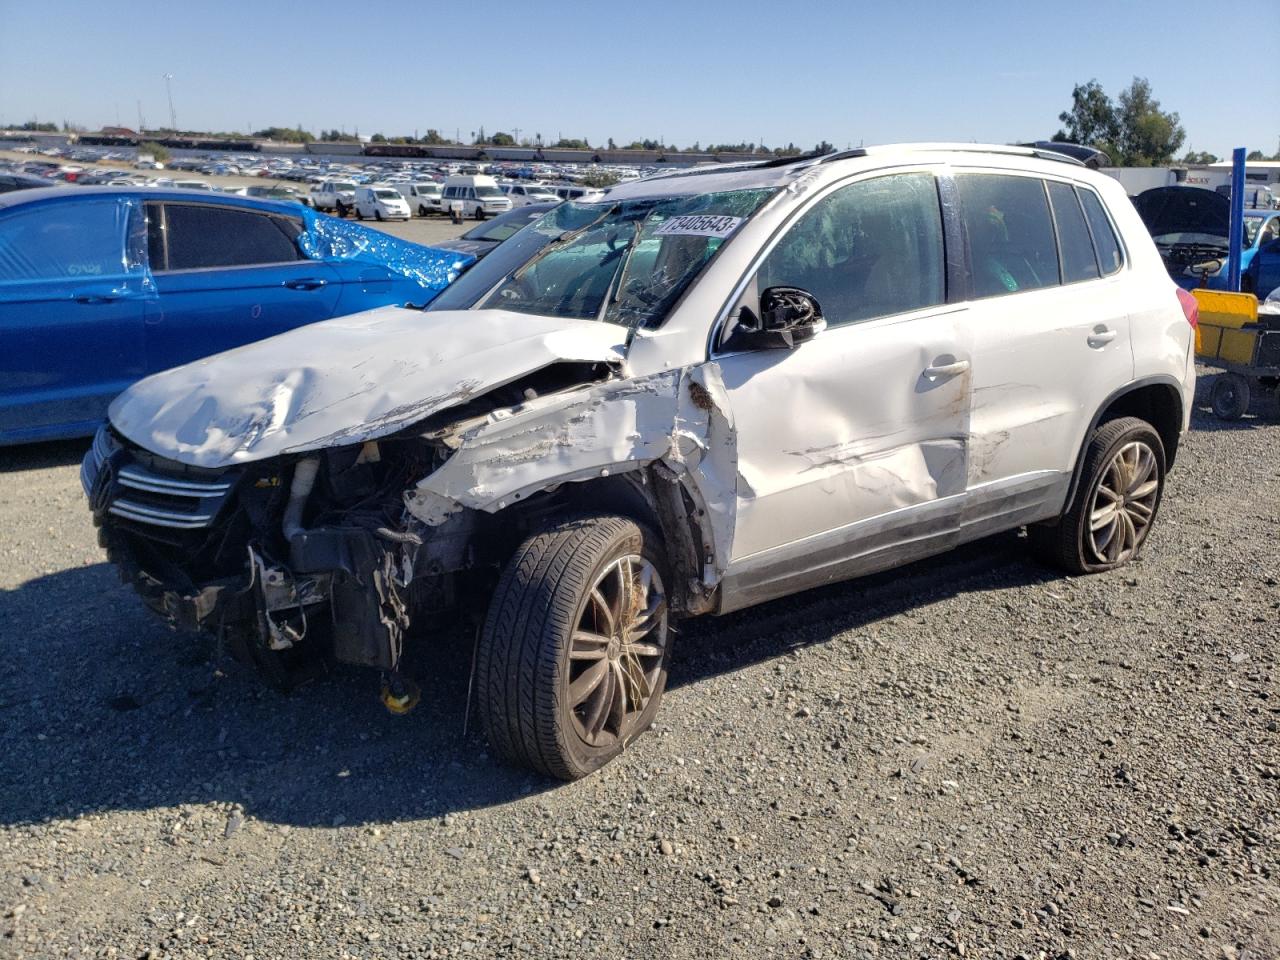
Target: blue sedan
[[101, 286]]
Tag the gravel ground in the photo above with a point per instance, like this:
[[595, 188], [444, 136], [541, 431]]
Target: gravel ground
[[969, 757]]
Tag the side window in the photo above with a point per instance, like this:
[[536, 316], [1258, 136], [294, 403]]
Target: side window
[[870, 249], [1104, 237], [64, 241], [1010, 233], [1078, 262], [202, 236]]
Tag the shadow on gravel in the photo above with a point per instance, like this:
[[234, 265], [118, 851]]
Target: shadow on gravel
[[102, 708], [38, 456]]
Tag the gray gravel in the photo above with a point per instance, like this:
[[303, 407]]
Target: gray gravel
[[970, 757]]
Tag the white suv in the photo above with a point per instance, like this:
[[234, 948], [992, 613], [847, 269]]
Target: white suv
[[704, 391]]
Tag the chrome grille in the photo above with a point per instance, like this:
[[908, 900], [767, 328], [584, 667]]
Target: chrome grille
[[145, 496]]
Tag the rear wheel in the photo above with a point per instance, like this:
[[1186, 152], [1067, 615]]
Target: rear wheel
[[1230, 396], [1115, 505], [479, 213], [573, 656]]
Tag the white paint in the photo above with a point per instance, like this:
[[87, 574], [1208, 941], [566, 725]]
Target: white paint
[[344, 381]]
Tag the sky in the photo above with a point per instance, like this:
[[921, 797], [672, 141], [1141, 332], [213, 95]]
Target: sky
[[693, 70]]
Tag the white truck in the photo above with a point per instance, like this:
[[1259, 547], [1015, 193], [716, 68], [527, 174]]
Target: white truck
[[336, 196]]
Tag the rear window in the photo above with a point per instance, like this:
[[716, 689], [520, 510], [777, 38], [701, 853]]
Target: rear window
[[200, 237], [1110, 257], [1011, 235], [1078, 262]]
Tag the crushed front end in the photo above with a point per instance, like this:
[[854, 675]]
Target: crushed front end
[[289, 560]]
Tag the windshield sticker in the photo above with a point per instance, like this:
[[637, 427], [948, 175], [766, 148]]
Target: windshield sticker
[[698, 225]]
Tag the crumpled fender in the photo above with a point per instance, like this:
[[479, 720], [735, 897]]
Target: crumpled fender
[[680, 417]]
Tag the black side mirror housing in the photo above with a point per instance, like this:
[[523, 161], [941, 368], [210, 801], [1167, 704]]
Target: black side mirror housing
[[788, 315]]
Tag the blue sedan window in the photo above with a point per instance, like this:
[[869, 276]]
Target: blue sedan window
[[56, 241]]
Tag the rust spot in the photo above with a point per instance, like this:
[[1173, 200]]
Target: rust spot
[[700, 396]]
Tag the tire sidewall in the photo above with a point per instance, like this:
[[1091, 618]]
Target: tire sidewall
[[1100, 464]]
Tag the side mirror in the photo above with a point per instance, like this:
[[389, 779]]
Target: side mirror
[[788, 315]]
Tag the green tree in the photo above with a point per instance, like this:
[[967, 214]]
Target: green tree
[[1092, 119], [1203, 156], [1255, 155], [501, 139], [568, 144], [157, 150], [1149, 136], [35, 126], [600, 178], [433, 138], [284, 134], [377, 138]]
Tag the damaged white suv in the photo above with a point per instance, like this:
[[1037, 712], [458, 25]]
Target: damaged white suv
[[703, 391]]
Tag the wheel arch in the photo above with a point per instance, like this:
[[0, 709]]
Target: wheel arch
[[1157, 400]]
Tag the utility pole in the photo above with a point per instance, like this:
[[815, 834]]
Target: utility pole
[[168, 89], [141, 125]]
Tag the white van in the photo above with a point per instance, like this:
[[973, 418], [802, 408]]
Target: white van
[[422, 198], [480, 196], [381, 202]]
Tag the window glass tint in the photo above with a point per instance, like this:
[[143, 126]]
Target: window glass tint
[[207, 236], [1010, 233], [870, 249], [53, 241], [1104, 238], [1078, 262]]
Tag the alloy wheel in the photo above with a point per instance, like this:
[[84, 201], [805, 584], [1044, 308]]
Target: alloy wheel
[[616, 651], [1124, 503]]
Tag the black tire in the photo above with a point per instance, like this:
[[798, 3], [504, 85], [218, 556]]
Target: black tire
[[1069, 543], [422, 210], [377, 215], [342, 209], [359, 215], [479, 213], [1229, 396], [524, 666]]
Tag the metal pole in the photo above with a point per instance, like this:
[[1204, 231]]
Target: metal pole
[[1236, 238], [168, 89]]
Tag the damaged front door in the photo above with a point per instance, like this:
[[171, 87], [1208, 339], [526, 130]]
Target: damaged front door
[[852, 446]]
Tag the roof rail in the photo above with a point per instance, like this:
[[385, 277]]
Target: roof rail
[[1005, 149]]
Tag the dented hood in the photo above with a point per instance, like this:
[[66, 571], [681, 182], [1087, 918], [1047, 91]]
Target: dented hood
[[345, 380]]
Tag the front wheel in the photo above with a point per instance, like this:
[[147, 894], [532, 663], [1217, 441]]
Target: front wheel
[[573, 656], [1115, 505], [479, 213]]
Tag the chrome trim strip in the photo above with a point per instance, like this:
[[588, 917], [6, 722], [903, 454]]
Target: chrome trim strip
[[160, 518], [132, 476]]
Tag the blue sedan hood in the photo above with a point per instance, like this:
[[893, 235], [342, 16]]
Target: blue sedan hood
[[345, 380]]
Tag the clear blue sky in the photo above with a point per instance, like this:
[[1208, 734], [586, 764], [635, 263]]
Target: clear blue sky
[[708, 70]]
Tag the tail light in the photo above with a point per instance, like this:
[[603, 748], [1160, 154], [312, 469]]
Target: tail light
[[1190, 308]]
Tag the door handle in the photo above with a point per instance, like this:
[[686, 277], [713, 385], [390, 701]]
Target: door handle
[[307, 283], [100, 296], [1101, 336], [946, 369]]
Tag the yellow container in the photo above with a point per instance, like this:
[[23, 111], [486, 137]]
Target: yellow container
[[1223, 319]]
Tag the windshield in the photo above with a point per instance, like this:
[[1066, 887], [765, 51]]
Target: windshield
[[386, 195], [344, 187], [488, 192], [428, 189], [626, 262]]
